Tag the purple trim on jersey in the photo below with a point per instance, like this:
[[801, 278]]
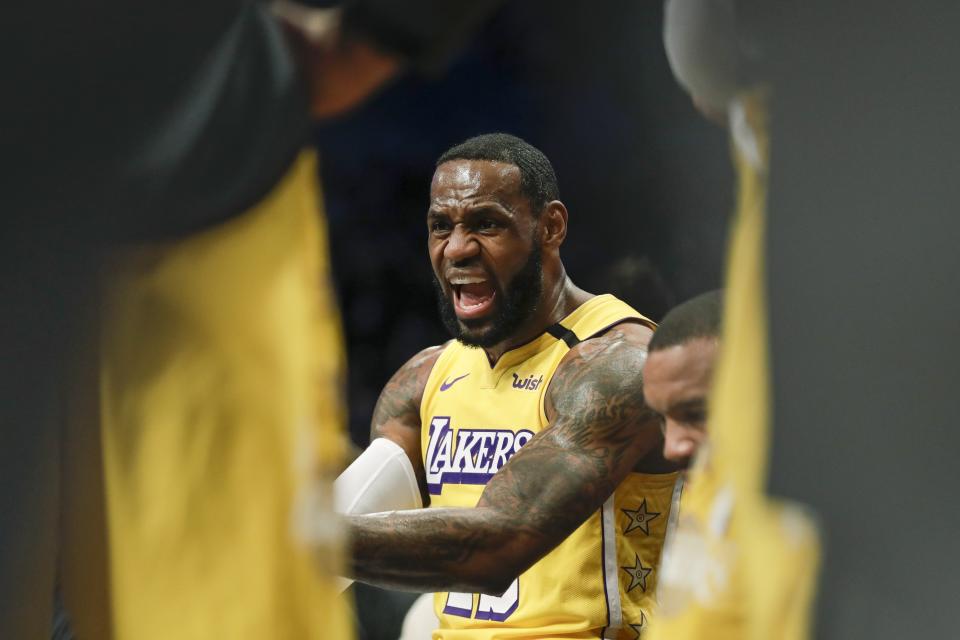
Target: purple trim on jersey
[[499, 617], [456, 611], [444, 423]]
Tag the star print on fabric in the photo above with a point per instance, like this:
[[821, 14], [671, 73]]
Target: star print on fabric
[[640, 518], [638, 575], [638, 628]]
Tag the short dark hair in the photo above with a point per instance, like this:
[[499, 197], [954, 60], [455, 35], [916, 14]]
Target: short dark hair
[[538, 182], [698, 317]]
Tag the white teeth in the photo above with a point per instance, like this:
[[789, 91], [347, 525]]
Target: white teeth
[[467, 280]]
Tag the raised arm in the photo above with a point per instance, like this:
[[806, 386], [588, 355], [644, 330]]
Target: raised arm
[[599, 429]]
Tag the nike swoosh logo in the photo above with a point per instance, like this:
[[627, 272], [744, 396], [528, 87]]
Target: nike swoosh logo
[[446, 385]]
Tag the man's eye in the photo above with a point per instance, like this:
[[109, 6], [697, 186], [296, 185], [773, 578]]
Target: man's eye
[[439, 226], [487, 223]]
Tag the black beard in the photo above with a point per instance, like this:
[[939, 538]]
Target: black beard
[[517, 303]]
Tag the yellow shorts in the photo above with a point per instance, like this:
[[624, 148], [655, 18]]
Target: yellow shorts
[[210, 398]]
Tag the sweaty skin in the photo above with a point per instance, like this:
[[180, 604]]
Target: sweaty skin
[[677, 384], [481, 225], [599, 427]]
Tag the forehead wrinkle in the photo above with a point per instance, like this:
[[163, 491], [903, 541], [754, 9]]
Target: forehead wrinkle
[[469, 205]]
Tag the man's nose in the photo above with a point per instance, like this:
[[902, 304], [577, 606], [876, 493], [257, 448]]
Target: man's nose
[[461, 245], [678, 446]]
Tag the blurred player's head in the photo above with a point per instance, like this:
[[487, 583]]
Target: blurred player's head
[[715, 49], [701, 45], [679, 370], [495, 227]]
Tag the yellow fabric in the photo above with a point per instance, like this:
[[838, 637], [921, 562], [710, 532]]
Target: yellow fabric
[[216, 390], [740, 565], [485, 413]]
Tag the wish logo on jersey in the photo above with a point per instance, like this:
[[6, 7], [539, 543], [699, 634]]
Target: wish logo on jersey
[[529, 382], [473, 458]]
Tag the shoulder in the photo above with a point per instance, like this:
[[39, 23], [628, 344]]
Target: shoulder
[[408, 382], [399, 401], [607, 364], [415, 371], [628, 336], [623, 344], [426, 359]]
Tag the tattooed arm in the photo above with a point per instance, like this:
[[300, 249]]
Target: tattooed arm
[[599, 429], [397, 414]]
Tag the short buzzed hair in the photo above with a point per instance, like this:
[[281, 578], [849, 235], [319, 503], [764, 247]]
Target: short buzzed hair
[[538, 182], [698, 317]]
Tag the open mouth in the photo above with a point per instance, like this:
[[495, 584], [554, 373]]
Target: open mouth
[[473, 296]]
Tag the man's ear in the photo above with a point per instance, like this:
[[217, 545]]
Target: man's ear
[[553, 224]]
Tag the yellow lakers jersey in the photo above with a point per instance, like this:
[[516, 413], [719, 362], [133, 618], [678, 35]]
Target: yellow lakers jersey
[[600, 581]]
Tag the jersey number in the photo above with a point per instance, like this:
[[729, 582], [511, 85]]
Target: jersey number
[[497, 608]]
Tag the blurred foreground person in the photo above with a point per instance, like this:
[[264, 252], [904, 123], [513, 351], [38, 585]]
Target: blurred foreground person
[[715, 55], [701, 590], [170, 339], [527, 435]]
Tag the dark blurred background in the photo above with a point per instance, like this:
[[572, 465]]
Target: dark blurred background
[[647, 181]]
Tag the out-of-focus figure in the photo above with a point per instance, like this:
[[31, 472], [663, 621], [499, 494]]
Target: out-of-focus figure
[[172, 343], [715, 58]]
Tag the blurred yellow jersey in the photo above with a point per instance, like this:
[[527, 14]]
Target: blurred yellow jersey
[[600, 581], [211, 397], [704, 592]]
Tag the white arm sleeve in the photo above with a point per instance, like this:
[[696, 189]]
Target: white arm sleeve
[[380, 479]]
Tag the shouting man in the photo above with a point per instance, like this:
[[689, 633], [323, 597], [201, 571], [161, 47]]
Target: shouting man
[[527, 434]]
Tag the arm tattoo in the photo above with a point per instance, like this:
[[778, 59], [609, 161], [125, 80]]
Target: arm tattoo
[[400, 399], [429, 550], [599, 429], [397, 413]]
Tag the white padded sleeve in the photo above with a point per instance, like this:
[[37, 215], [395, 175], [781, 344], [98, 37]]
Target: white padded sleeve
[[380, 479]]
